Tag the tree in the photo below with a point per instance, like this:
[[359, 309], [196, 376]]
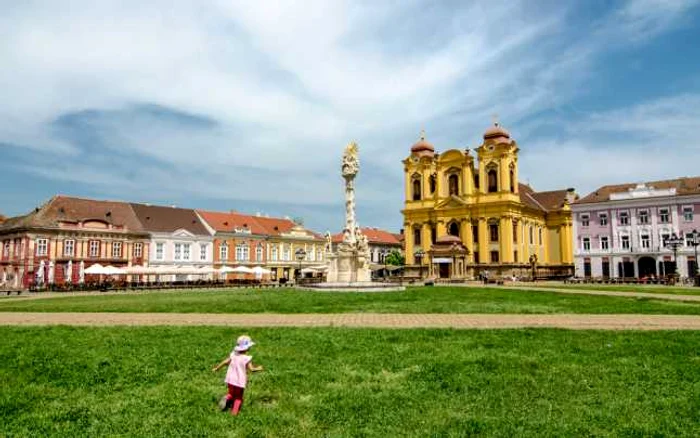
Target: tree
[[395, 258]]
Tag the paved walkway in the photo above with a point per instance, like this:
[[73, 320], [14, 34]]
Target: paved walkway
[[375, 320]]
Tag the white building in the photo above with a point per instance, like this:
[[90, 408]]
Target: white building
[[180, 241], [622, 230]]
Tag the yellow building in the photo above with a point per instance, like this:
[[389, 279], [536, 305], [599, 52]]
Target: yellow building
[[504, 227]]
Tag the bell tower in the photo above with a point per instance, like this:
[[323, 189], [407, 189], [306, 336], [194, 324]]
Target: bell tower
[[498, 162]]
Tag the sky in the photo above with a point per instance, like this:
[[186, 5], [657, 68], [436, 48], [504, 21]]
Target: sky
[[247, 106]]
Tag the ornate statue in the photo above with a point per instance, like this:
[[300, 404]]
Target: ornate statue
[[329, 242], [351, 162]]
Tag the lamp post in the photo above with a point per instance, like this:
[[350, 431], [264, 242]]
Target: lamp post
[[300, 255], [695, 242], [673, 243], [419, 260]]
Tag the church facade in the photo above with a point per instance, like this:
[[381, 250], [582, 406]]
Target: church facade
[[466, 213]]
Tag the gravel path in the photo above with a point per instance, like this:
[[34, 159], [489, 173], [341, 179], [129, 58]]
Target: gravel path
[[376, 320]]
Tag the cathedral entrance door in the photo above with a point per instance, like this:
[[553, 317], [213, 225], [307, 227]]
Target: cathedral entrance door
[[444, 270]]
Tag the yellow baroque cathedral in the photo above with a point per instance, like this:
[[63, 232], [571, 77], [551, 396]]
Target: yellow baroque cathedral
[[465, 214]]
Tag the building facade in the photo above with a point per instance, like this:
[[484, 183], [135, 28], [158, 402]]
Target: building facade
[[620, 231], [179, 240], [504, 225], [248, 240], [56, 242]]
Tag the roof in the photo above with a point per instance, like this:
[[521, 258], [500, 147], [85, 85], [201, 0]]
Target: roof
[[61, 209], [544, 201], [374, 236], [683, 186], [231, 221], [156, 218]]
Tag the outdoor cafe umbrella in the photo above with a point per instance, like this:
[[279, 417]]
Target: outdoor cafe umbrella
[[69, 271], [52, 271], [96, 269], [40, 273], [81, 273]]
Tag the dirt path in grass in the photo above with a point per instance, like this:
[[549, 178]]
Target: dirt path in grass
[[375, 320]]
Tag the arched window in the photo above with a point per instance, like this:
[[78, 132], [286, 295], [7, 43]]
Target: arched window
[[416, 189], [492, 176], [511, 178], [433, 234], [416, 236], [453, 184], [454, 229], [493, 231], [432, 181]]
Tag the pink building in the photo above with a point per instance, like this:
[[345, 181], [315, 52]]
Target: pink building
[[621, 230]]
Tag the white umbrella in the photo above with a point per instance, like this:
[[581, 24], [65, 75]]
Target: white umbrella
[[52, 270], [111, 270], [69, 272], [96, 269], [242, 270], [81, 273], [259, 270], [225, 270], [4, 277], [40, 273]]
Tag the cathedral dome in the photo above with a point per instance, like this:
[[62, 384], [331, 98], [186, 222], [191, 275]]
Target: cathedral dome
[[423, 145], [496, 131]]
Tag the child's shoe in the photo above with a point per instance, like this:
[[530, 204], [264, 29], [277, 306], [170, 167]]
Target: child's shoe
[[224, 403]]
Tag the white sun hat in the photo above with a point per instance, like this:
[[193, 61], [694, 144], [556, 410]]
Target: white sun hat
[[243, 343]]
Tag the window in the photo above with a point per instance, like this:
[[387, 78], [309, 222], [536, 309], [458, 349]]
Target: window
[[223, 251], [688, 214], [319, 255], [432, 183], [203, 251], [664, 238], [286, 253], [416, 236], [453, 184], [259, 252], [311, 255], [604, 243], [433, 234], [475, 233], [643, 217], [160, 251], [492, 177], [242, 251], [476, 257], [539, 230], [94, 248], [646, 242], [586, 243], [532, 235], [493, 232], [494, 256], [69, 248], [416, 189], [186, 251], [515, 256], [585, 220], [624, 218], [663, 215], [116, 250], [42, 247], [178, 251], [689, 239], [511, 178], [454, 229], [625, 242], [138, 249], [273, 253], [476, 179], [6, 249], [515, 232], [603, 219]]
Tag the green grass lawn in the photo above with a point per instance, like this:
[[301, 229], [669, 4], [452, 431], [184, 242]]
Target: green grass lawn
[[414, 300], [153, 382], [674, 290]]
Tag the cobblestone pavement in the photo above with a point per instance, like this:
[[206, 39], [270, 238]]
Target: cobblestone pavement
[[376, 320]]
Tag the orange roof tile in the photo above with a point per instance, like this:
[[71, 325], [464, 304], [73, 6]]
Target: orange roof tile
[[374, 235], [683, 186]]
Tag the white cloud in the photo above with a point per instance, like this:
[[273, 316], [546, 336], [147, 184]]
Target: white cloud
[[288, 84]]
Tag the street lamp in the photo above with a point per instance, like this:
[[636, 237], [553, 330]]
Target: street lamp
[[300, 255], [419, 260], [695, 242], [673, 243]]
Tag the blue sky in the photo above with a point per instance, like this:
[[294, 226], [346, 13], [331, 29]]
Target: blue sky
[[248, 105]]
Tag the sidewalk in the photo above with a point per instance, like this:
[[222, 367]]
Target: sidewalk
[[368, 320]]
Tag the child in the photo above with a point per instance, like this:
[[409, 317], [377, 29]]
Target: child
[[237, 375]]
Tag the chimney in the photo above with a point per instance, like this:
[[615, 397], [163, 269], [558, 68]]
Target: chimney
[[570, 195]]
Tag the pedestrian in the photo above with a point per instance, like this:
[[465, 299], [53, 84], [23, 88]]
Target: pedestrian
[[239, 363]]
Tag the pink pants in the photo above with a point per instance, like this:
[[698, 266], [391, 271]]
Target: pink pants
[[235, 393]]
